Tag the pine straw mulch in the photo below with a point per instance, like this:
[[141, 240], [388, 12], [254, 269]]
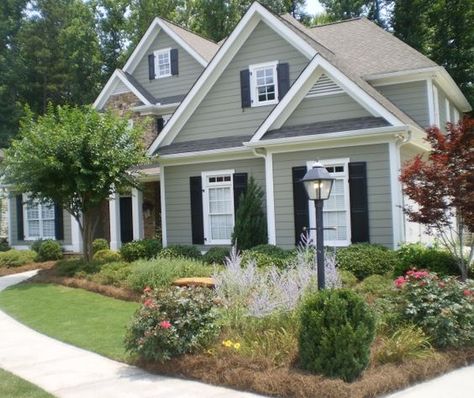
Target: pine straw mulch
[[242, 374], [4, 271]]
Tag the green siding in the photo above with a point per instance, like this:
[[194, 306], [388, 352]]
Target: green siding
[[189, 70], [220, 113], [327, 107], [14, 227], [177, 192], [378, 180], [411, 98]]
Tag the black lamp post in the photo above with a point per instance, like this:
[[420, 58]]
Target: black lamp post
[[318, 183]]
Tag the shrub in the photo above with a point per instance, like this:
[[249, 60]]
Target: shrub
[[267, 255], [16, 258], [176, 251], [416, 255], [132, 251], [216, 255], [36, 245], [99, 244], [442, 307], [152, 247], [376, 285], [364, 259], [408, 342], [4, 245], [161, 272], [348, 279], [49, 250], [173, 322], [74, 267], [106, 256], [337, 330], [114, 274]]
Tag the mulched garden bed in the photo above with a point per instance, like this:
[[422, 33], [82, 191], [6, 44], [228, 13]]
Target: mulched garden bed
[[27, 267]]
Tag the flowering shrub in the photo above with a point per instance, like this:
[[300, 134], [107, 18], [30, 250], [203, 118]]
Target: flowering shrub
[[172, 322], [442, 307]]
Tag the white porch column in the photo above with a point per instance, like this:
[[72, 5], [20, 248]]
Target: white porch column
[[76, 236], [114, 211], [137, 214]]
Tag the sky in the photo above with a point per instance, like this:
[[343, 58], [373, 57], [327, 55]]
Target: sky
[[314, 7]]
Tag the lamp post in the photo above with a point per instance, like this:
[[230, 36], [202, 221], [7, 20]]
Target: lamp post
[[318, 184]]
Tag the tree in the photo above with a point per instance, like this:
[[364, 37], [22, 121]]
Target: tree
[[344, 9], [250, 223], [75, 157], [442, 187]]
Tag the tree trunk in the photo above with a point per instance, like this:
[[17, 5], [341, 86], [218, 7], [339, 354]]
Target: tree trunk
[[90, 220]]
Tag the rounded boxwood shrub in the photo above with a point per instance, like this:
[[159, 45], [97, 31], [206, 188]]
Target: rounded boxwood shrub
[[17, 258], [216, 255], [145, 248], [4, 245], [151, 247], [106, 256], [337, 330], [100, 244], [175, 251], [50, 250], [267, 255], [363, 259]]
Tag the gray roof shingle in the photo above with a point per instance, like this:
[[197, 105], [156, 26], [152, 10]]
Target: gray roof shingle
[[204, 145]]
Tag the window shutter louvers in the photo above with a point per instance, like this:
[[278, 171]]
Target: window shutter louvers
[[240, 187], [359, 202], [151, 66], [283, 71], [19, 218], [197, 218], [174, 61], [300, 203], [58, 222], [245, 88]]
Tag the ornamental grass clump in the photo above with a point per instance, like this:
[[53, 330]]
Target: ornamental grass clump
[[337, 330], [173, 322]]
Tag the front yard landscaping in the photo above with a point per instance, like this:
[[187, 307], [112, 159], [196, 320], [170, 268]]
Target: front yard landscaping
[[13, 386]]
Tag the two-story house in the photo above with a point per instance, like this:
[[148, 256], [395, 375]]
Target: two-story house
[[269, 101]]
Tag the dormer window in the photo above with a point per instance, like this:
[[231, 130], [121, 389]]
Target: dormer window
[[162, 63], [264, 84]]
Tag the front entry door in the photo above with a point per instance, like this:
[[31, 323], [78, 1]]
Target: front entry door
[[126, 226]]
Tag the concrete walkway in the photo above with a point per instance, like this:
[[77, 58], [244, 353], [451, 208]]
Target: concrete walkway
[[70, 372]]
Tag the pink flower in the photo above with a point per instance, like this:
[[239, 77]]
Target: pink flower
[[165, 324], [147, 289], [400, 281], [149, 303], [468, 292], [441, 284]]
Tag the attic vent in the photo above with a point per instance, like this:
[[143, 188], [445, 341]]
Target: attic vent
[[324, 86]]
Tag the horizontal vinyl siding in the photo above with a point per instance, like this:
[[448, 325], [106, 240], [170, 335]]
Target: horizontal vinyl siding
[[14, 227], [378, 182], [189, 70], [411, 98], [177, 192], [220, 114], [327, 107], [121, 88]]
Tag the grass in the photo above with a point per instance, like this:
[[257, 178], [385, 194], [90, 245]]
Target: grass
[[81, 318], [13, 386]]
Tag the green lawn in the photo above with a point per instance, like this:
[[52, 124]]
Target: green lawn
[[84, 319], [13, 386]]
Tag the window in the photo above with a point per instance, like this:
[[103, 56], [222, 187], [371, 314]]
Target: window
[[218, 203], [162, 63], [336, 210], [264, 84], [39, 220]]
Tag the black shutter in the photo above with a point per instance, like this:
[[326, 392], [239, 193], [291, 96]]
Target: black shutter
[[300, 202], [197, 218], [283, 71], [240, 187], [19, 217], [160, 124], [151, 66], [174, 61], [245, 88], [58, 222], [359, 202]]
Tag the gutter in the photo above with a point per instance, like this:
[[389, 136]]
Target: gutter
[[155, 109]]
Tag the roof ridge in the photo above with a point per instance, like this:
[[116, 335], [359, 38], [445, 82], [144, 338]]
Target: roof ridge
[[188, 30], [338, 22]]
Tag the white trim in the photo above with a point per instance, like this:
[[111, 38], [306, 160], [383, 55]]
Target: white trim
[[436, 118], [270, 196], [429, 94], [396, 194], [205, 203], [233, 43], [148, 38], [76, 237], [156, 109], [347, 204], [156, 54], [209, 152], [164, 237], [137, 214], [253, 83], [456, 115], [114, 221], [447, 110], [10, 198]]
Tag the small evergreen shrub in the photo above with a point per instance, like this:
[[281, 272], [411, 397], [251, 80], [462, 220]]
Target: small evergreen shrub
[[348, 279], [152, 247], [250, 227], [113, 274], [173, 322], [416, 255], [267, 255], [76, 267], [35, 246], [4, 245], [49, 250], [99, 244], [132, 251], [16, 258], [183, 251], [375, 285], [363, 259], [106, 256], [337, 330], [216, 255]]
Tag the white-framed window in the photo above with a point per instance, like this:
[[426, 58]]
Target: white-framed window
[[162, 63], [218, 206], [337, 209], [39, 219], [264, 84]]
